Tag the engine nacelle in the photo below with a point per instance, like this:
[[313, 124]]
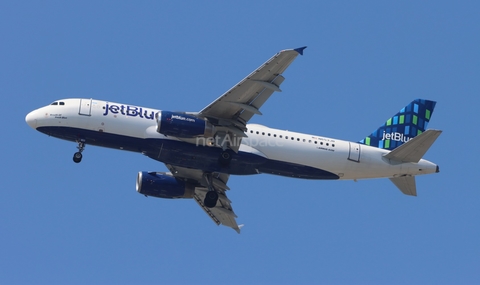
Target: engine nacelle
[[183, 125], [163, 185]]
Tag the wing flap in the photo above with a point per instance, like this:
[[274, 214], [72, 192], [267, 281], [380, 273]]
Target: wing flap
[[222, 213], [207, 210]]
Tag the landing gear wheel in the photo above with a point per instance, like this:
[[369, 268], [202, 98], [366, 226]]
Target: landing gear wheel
[[225, 158], [211, 199], [77, 157]]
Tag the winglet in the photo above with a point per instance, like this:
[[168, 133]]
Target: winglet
[[300, 50], [238, 228]]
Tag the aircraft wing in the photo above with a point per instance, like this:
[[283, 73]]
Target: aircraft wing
[[236, 106], [222, 213]]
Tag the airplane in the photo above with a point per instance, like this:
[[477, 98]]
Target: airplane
[[202, 149]]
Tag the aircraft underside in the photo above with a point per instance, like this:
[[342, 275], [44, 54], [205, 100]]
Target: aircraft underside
[[189, 155]]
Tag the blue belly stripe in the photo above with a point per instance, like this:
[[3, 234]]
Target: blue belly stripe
[[189, 155]]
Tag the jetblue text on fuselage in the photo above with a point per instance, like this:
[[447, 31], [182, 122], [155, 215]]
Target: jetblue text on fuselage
[[131, 111], [181, 118], [399, 137]]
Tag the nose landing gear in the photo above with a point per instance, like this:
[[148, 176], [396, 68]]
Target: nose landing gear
[[77, 157]]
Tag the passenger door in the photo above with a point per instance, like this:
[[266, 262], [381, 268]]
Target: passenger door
[[85, 107], [354, 153]]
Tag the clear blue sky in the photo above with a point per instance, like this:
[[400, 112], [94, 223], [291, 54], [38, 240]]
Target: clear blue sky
[[66, 223]]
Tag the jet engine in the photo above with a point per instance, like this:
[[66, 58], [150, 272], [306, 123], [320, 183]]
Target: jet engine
[[163, 185], [183, 125]]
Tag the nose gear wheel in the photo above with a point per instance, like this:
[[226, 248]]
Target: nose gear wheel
[[77, 157]]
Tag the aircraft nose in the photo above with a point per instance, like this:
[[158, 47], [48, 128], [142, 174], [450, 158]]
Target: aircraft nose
[[31, 120]]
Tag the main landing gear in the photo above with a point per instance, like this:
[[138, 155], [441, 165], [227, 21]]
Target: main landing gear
[[211, 197], [223, 140], [77, 157]]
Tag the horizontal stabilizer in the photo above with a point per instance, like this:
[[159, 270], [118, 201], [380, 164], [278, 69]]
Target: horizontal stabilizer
[[414, 149], [406, 184]]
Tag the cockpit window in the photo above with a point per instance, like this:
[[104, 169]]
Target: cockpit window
[[58, 103], [54, 103], [62, 103]]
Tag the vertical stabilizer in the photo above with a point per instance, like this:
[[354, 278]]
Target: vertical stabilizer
[[404, 126]]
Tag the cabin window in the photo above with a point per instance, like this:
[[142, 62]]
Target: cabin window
[[263, 133], [315, 142], [258, 132], [268, 134], [274, 135]]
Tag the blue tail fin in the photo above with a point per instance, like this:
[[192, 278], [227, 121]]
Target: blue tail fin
[[405, 125]]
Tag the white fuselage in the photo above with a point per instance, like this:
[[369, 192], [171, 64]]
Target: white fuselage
[[347, 160]]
